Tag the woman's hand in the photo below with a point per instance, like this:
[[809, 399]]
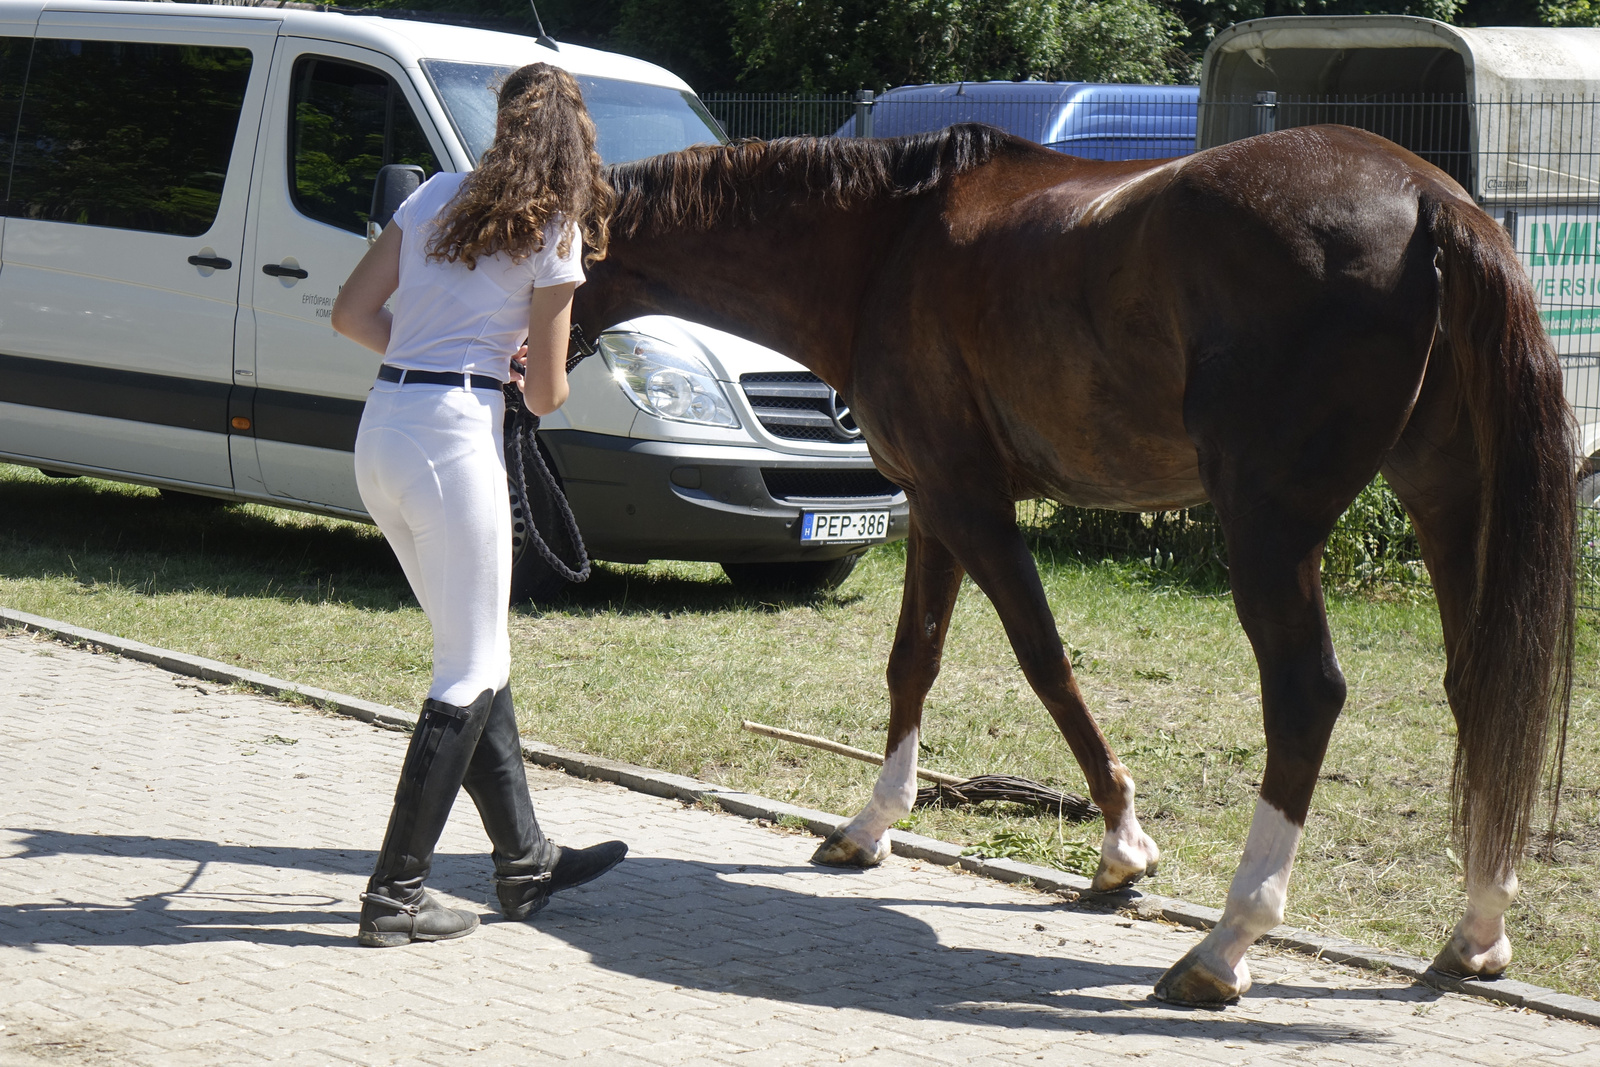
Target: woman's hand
[[544, 385], [519, 366], [358, 310]]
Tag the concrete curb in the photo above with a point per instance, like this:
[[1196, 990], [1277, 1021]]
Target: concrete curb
[[1071, 887]]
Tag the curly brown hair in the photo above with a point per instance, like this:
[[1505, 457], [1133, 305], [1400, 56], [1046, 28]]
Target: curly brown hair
[[542, 164]]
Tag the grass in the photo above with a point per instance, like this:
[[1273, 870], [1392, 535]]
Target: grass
[[657, 664]]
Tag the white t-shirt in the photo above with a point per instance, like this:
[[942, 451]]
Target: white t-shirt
[[449, 318]]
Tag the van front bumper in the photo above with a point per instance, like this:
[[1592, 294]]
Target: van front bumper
[[641, 500]]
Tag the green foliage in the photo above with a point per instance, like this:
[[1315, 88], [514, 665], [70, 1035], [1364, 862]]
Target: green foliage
[[1204, 18], [696, 41], [1372, 543], [1011, 842], [1589, 556], [844, 45], [841, 45], [1569, 12], [1181, 548]]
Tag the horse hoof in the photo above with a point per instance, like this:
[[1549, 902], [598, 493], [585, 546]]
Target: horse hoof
[[1108, 879], [1458, 959], [1201, 981], [1125, 860], [840, 851]]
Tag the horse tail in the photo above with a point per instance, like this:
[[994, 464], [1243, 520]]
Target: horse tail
[[1510, 678]]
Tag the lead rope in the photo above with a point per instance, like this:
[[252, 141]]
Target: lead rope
[[524, 431]]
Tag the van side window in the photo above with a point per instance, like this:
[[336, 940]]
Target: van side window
[[128, 135], [348, 121], [14, 52]]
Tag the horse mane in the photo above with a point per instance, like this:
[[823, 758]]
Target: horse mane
[[707, 184]]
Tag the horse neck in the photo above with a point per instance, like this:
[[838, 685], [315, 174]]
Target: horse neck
[[791, 284]]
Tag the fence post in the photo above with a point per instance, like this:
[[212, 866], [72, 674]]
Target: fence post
[[1266, 108], [864, 112]]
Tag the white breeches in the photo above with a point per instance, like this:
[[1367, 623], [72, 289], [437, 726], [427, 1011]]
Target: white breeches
[[432, 474]]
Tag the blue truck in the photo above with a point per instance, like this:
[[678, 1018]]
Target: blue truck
[[1096, 121]]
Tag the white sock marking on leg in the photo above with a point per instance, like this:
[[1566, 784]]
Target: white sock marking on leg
[[1479, 939], [1259, 891], [1126, 851], [892, 795]]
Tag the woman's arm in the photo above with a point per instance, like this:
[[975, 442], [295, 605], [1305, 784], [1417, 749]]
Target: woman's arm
[[544, 384], [358, 311]]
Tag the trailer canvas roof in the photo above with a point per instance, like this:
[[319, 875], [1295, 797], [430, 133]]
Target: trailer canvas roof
[[1510, 112], [1494, 61]]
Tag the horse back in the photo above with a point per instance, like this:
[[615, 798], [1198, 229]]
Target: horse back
[[1073, 305]]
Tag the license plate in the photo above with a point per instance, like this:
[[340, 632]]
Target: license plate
[[822, 527]]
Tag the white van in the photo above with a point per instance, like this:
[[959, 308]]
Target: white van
[[189, 185]]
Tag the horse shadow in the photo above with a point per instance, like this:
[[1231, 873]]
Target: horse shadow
[[716, 927]]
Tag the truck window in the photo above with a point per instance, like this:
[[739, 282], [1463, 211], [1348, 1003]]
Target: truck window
[[128, 135], [348, 121]]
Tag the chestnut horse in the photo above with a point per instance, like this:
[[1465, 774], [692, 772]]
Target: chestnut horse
[[1265, 325]]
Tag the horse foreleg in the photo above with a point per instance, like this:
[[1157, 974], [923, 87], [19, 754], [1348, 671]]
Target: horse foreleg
[[995, 554], [933, 579], [1279, 601]]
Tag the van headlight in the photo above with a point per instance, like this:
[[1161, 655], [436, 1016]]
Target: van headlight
[[665, 381]]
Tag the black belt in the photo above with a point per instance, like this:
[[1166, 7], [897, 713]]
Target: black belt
[[387, 373]]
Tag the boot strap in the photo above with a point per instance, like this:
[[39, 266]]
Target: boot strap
[[405, 909], [449, 711], [521, 879], [457, 711]]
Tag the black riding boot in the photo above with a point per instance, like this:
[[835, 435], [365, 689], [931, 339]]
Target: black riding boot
[[527, 866], [395, 909]]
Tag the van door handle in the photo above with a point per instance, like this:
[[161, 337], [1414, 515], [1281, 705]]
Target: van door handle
[[278, 270], [215, 262]]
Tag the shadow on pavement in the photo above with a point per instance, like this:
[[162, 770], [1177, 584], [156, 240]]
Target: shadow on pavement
[[870, 953], [725, 928]]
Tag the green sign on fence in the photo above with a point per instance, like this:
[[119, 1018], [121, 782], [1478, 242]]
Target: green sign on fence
[[1569, 322]]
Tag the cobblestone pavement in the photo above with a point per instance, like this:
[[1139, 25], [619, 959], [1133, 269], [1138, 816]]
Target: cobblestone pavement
[[179, 867]]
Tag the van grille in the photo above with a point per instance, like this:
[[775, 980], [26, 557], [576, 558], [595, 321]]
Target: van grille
[[790, 484], [800, 406]]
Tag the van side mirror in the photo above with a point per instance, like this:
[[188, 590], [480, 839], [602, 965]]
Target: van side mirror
[[394, 183]]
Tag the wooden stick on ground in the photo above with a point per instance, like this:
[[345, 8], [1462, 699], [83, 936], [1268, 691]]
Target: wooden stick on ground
[[953, 790], [842, 750]]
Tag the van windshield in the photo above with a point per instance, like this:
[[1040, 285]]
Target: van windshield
[[632, 120]]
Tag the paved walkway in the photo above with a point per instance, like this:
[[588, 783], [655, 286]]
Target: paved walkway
[[179, 867]]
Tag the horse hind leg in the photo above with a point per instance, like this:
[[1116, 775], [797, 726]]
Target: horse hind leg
[[1277, 593], [933, 579], [1435, 472]]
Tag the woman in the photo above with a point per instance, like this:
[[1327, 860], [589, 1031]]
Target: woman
[[474, 262]]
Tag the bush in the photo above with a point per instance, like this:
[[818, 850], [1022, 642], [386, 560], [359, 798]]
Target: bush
[[1372, 544]]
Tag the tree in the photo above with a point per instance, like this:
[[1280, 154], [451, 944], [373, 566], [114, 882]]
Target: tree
[[1203, 18], [839, 45], [844, 45]]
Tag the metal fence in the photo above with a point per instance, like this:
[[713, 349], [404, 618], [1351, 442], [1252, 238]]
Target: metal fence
[[769, 115], [1533, 163]]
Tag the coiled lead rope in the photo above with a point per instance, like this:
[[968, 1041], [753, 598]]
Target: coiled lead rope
[[524, 431]]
